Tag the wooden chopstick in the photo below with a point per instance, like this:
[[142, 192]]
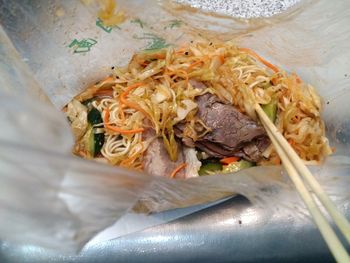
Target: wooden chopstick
[[327, 232], [293, 163], [342, 223]]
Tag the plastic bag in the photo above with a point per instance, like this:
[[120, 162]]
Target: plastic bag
[[52, 199]]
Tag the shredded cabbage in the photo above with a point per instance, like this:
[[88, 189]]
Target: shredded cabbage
[[193, 164], [182, 111], [77, 114]]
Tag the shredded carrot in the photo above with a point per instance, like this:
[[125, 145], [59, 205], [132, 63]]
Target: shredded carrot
[[177, 169], [201, 60], [195, 64], [104, 92], [255, 55], [158, 56], [143, 63], [185, 75], [229, 160], [277, 161], [167, 71], [116, 129], [131, 104], [128, 161], [180, 51], [106, 80], [274, 81], [222, 59], [297, 78]]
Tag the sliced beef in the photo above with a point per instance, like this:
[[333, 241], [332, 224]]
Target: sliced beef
[[232, 133], [178, 130], [197, 84], [212, 149], [157, 161], [253, 150]]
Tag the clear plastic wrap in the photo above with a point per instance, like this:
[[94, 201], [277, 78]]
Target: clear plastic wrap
[[52, 199]]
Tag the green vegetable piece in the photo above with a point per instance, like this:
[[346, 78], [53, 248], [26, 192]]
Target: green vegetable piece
[[271, 110], [236, 166], [95, 142], [99, 140], [210, 168], [90, 141], [94, 116]]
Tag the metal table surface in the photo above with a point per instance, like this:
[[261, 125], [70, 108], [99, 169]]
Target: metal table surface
[[233, 231]]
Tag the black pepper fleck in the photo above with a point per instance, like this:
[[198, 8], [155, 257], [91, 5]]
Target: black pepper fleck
[[240, 222], [327, 102], [186, 53], [112, 67]]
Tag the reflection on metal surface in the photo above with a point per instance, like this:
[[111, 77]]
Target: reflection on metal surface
[[249, 216]]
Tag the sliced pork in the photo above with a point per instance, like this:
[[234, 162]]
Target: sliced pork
[[157, 161]]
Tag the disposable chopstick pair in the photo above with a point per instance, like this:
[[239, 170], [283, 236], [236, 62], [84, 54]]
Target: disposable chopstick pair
[[295, 166]]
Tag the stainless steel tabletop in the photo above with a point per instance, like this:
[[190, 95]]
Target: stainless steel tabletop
[[233, 231]]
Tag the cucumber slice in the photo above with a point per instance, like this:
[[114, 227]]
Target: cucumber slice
[[209, 168], [271, 109], [94, 116], [236, 166]]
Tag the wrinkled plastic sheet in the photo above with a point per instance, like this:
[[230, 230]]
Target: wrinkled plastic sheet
[[52, 199]]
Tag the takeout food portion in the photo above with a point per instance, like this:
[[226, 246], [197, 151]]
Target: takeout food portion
[[189, 111]]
